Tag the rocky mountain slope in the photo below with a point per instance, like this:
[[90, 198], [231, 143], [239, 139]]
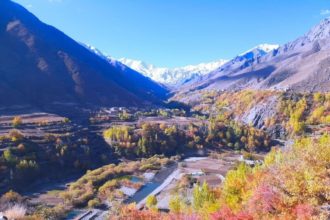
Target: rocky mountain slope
[[40, 66], [301, 65]]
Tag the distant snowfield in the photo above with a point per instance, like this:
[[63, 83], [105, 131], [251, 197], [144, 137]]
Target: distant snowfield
[[180, 75], [172, 76]]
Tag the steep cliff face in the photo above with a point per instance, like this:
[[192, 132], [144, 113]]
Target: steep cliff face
[[39, 65], [257, 115]]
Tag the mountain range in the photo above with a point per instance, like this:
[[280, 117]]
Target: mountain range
[[174, 77], [302, 65], [192, 73]]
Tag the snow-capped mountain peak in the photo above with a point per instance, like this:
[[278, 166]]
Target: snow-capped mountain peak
[[172, 76], [265, 48], [180, 75]]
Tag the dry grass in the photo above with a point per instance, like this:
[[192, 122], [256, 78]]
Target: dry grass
[[15, 212]]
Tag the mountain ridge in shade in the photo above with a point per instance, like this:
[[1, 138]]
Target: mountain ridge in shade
[[40, 65]]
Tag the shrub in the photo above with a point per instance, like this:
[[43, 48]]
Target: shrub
[[11, 197], [66, 120], [55, 213], [94, 203], [17, 121], [9, 157], [15, 135]]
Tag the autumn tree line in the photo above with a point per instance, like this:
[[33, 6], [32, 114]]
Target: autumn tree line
[[153, 138]]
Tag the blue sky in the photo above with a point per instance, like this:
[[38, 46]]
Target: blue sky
[[179, 32]]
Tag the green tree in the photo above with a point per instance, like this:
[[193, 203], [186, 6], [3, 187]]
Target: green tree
[[176, 204], [202, 195], [234, 186], [9, 157], [151, 202]]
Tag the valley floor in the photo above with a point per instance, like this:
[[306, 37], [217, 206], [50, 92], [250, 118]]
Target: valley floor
[[118, 150], [210, 169]]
